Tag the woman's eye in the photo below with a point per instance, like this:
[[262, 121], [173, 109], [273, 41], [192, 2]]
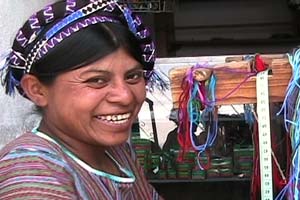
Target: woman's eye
[[97, 81], [135, 77]]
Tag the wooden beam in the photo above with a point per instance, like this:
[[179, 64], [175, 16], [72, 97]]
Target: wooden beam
[[279, 78]]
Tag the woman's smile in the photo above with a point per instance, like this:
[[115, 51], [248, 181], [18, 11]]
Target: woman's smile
[[115, 122], [115, 118]]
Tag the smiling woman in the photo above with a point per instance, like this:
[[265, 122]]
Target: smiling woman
[[85, 65]]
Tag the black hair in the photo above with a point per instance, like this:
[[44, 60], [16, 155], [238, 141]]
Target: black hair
[[84, 47]]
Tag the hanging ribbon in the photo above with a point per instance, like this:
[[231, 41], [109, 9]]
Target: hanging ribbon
[[195, 103], [291, 112]]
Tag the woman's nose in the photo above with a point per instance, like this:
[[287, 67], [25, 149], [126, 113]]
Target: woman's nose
[[120, 92]]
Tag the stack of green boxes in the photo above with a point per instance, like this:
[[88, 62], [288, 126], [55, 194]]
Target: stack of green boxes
[[243, 160], [168, 164], [151, 161], [185, 165], [162, 165], [142, 149], [197, 172], [156, 172], [220, 168]]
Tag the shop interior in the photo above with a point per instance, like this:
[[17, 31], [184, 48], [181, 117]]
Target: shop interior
[[189, 32]]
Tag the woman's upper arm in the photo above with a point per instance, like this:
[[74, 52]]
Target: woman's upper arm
[[34, 177]]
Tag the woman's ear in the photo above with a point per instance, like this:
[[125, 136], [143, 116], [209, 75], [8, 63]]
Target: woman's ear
[[34, 90]]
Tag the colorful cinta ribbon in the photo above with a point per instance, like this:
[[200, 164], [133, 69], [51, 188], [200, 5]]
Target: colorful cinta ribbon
[[291, 112], [197, 106], [192, 102]]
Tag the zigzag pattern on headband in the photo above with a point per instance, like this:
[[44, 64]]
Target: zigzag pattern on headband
[[71, 16]]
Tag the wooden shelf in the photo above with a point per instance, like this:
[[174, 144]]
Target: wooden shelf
[[232, 189], [167, 181], [227, 82]]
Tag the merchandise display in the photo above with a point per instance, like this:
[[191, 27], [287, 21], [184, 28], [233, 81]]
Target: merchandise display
[[243, 160], [234, 162], [208, 146]]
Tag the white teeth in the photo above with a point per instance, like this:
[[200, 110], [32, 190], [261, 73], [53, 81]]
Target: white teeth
[[116, 118]]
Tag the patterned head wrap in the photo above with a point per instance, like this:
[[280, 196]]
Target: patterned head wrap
[[73, 17]]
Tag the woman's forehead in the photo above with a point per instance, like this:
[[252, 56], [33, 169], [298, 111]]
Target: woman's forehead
[[118, 59]]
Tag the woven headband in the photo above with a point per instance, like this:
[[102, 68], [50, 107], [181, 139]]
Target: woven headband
[[75, 18]]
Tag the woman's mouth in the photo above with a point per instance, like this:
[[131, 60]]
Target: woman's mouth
[[117, 118]]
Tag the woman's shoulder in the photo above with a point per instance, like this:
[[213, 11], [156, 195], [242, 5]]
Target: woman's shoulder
[[31, 146], [31, 152], [28, 141], [33, 167]]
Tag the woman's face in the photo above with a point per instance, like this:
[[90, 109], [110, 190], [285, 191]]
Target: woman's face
[[98, 103]]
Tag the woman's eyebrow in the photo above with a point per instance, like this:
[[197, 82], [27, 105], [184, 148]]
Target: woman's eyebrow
[[104, 71], [94, 71], [136, 67]]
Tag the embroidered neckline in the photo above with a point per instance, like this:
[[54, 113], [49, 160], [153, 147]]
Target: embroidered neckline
[[130, 176]]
